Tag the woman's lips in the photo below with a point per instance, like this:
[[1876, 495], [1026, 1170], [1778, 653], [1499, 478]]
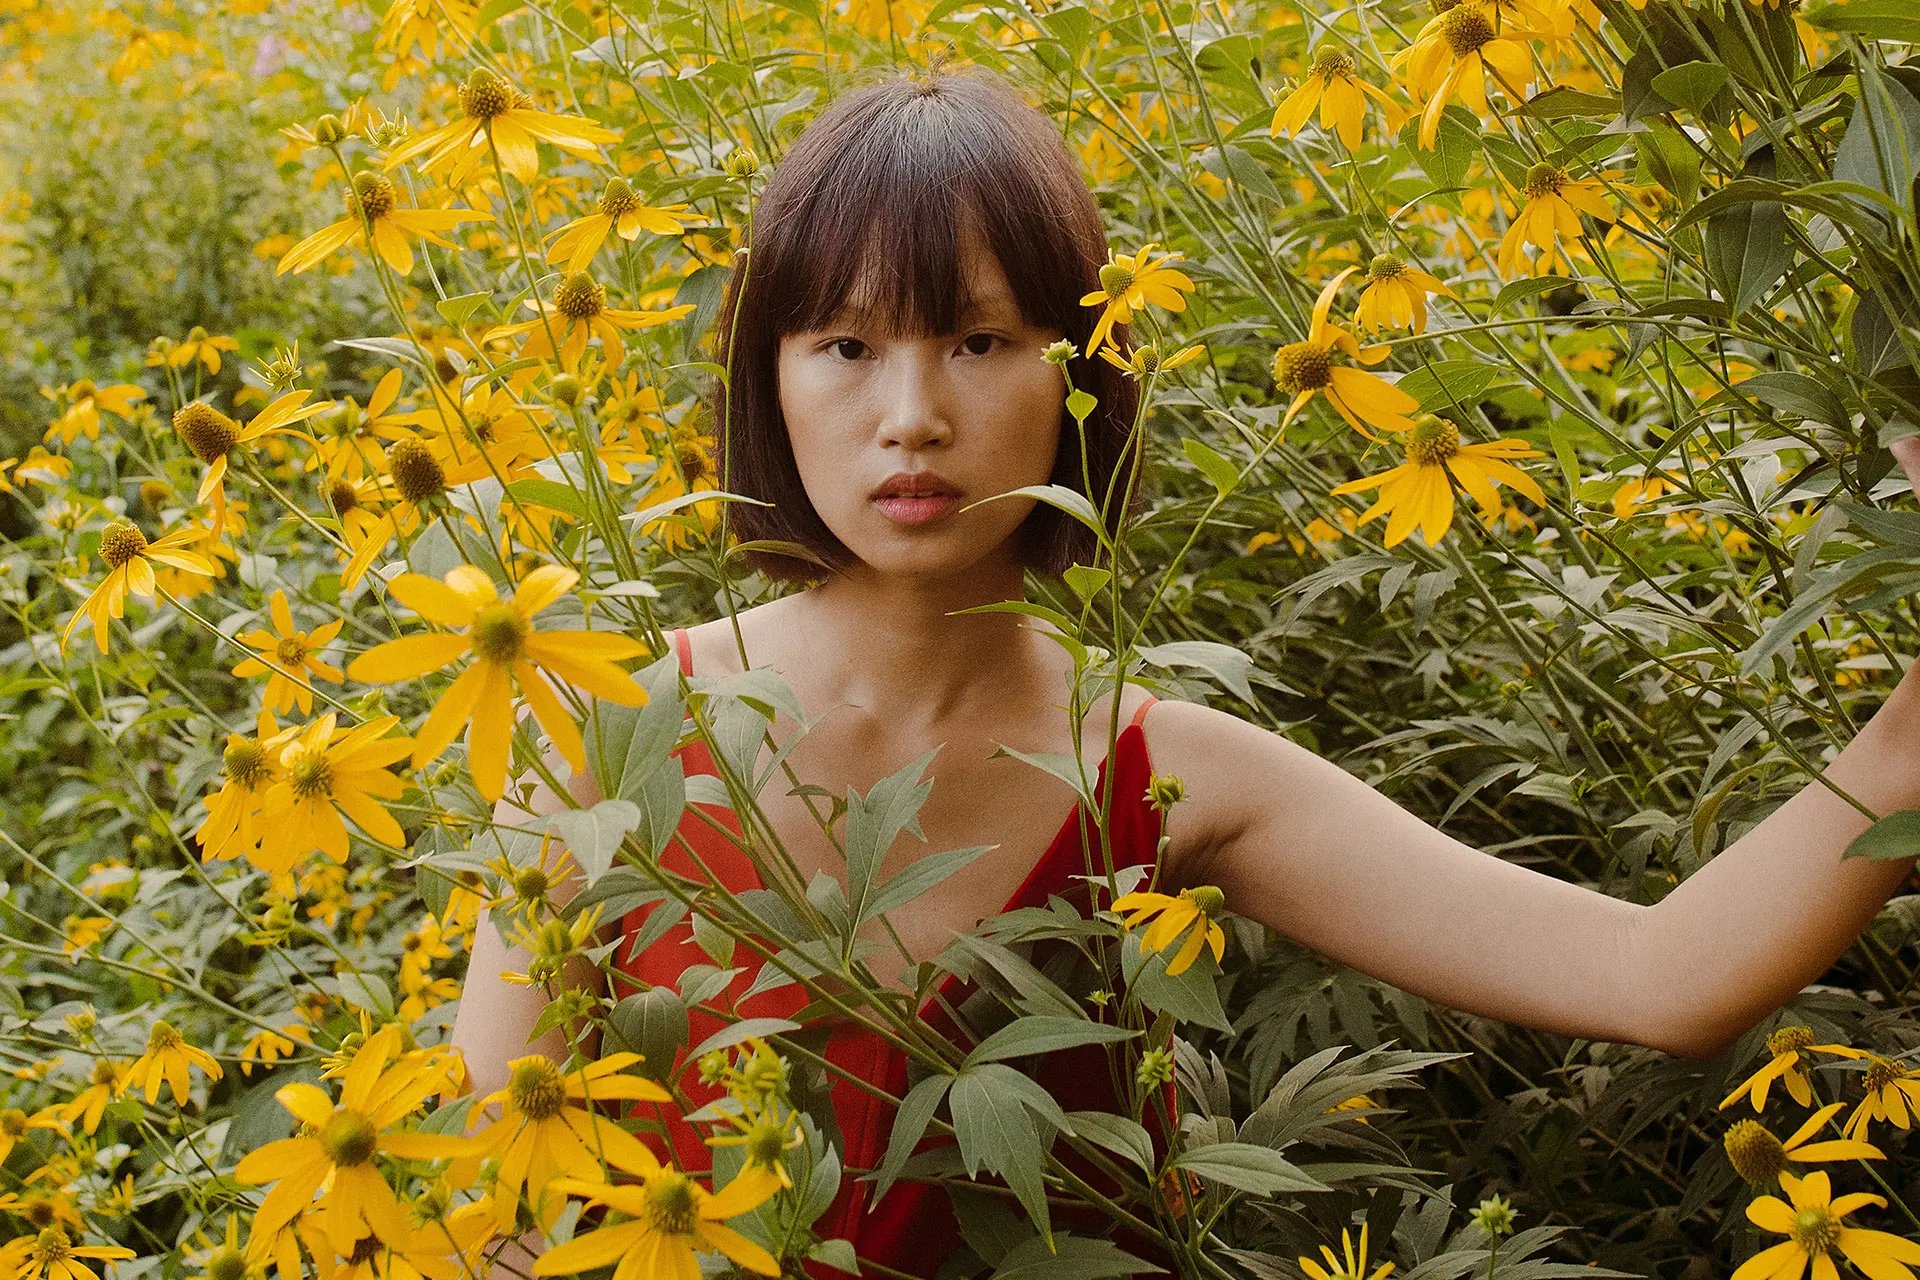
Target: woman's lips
[[902, 509]]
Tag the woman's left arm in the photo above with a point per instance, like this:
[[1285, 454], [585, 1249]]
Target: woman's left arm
[[1299, 844]]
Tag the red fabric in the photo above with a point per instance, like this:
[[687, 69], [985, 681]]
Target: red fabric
[[912, 1229]]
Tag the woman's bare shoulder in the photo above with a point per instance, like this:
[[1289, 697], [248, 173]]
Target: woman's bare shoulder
[[1185, 740], [715, 644]]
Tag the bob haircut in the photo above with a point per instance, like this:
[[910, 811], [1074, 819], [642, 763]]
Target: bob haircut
[[880, 188]]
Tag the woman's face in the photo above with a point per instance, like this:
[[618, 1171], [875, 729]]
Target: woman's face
[[976, 412]]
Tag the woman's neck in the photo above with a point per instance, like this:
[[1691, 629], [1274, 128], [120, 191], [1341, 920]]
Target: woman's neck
[[904, 649]]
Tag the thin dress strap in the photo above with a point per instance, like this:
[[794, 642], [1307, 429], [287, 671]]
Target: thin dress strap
[[685, 648], [1140, 716]]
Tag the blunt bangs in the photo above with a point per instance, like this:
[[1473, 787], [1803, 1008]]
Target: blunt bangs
[[866, 216]]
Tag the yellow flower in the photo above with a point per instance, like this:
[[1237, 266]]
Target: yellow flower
[[1759, 1157], [107, 1082], [1355, 1267], [1639, 491], [1332, 85], [1452, 56], [764, 1138], [507, 652], [224, 1260], [286, 658], [372, 211], [82, 932], [578, 311], [1784, 1049], [1396, 295], [549, 1128], [1302, 368], [14, 1124], [1132, 282], [1813, 1224], [346, 440], [1893, 1092], [1145, 359], [52, 1255], [340, 1142], [130, 558], [252, 766], [198, 345], [670, 1217], [1418, 493], [620, 211], [1198, 907], [38, 467], [323, 773], [84, 401], [267, 1047], [1555, 201], [500, 116], [167, 1058], [212, 437]]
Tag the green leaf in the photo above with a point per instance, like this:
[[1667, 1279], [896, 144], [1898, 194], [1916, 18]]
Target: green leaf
[[1691, 84], [1248, 1168], [738, 1032], [1561, 101], [653, 1024], [1044, 1034], [1456, 145], [1071, 501], [1238, 166], [1519, 291], [1781, 393], [1748, 251], [551, 493], [1881, 149], [458, 310], [1896, 21], [1224, 475], [1895, 836], [837, 1254], [1451, 384], [1894, 528], [875, 821], [1080, 404], [1117, 1134], [909, 1124], [1086, 580], [1069, 1258], [1560, 436], [1670, 159], [919, 876], [997, 1114], [593, 835], [1815, 597], [1223, 662]]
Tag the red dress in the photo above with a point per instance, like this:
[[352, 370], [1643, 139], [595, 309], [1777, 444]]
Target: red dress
[[913, 1228]]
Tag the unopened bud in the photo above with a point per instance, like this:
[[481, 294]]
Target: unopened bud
[[328, 131]]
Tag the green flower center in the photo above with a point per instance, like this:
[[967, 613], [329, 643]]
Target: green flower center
[[1545, 180], [1385, 266], [372, 195], [580, 297], [1755, 1154], [81, 390], [205, 430], [1116, 279], [103, 1072], [121, 542], [291, 651], [1882, 1072], [1207, 899], [1465, 29], [535, 1088], [310, 774], [531, 884], [349, 1138], [485, 95], [618, 199], [1432, 441], [670, 1204], [227, 1264], [245, 762], [197, 334], [1146, 357], [416, 473], [13, 1122], [1816, 1230], [499, 633], [1332, 65], [766, 1142], [50, 1246], [163, 1038], [1302, 366], [1789, 1040]]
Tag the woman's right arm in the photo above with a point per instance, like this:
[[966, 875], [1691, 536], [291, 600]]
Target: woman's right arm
[[495, 1021]]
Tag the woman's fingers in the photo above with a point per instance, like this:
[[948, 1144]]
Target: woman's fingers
[[1907, 454]]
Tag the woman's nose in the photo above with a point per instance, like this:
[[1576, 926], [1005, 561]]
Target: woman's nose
[[918, 406]]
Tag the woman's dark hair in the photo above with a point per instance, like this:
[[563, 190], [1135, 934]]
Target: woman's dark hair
[[881, 186]]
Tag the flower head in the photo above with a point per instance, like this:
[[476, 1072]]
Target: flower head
[[1760, 1158], [1418, 493], [1396, 295], [497, 118], [1312, 367], [374, 213], [167, 1059], [577, 312], [1354, 1267], [1555, 199], [1198, 907], [130, 559], [1132, 282], [1815, 1232], [670, 1217], [1786, 1050], [1332, 84], [286, 657]]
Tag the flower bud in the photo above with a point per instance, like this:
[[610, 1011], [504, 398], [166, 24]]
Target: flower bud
[[566, 390], [741, 163], [328, 131]]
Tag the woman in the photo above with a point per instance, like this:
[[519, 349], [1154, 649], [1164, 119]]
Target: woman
[[915, 253]]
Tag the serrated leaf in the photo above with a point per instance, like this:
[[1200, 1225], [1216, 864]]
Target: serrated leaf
[[909, 1125], [1069, 1258], [1117, 1134], [1248, 1168]]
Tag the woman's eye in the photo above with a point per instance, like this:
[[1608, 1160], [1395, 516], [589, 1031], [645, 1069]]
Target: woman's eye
[[990, 338], [837, 343]]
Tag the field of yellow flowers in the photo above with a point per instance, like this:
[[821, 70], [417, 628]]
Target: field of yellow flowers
[[1516, 377]]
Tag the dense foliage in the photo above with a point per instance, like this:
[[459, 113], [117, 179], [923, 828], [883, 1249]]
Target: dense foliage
[[343, 421]]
